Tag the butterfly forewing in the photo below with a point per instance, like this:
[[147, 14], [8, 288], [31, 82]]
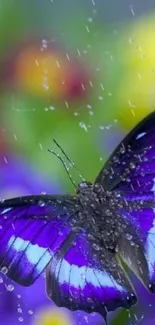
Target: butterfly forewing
[[130, 176], [134, 156]]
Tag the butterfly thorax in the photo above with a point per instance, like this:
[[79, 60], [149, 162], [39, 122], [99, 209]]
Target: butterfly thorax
[[102, 216], [92, 195], [99, 218]]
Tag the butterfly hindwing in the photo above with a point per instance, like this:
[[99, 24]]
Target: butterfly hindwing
[[32, 230], [131, 248], [79, 278]]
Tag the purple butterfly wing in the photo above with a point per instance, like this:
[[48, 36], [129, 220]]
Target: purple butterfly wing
[[87, 279], [32, 230], [134, 156], [137, 244], [130, 176], [39, 232]]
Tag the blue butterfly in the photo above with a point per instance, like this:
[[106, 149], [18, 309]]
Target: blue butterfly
[[79, 240]]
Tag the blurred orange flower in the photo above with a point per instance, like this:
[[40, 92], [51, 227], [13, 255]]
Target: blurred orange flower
[[43, 70]]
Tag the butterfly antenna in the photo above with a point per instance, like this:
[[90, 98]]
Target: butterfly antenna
[[64, 164], [68, 158]]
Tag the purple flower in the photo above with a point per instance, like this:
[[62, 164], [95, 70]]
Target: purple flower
[[18, 178], [143, 313]]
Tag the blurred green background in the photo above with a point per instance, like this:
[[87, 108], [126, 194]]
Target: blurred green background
[[82, 72]]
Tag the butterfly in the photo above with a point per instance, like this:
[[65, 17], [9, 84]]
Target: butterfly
[[80, 240]]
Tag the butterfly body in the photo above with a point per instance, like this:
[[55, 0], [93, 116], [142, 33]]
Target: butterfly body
[[80, 239], [98, 215], [99, 207]]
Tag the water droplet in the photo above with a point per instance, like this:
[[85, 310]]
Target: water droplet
[[128, 236], [132, 243], [41, 203], [4, 270], [90, 236], [132, 165], [18, 296], [20, 310], [96, 247], [90, 19], [20, 319], [51, 108], [116, 159], [30, 312], [122, 150], [10, 287], [86, 319]]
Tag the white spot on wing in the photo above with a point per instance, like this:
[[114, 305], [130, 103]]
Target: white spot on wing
[[77, 278], [80, 276], [150, 248], [34, 253], [140, 135], [153, 187], [5, 210], [64, 273]]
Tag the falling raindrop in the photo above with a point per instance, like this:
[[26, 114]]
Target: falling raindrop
[[83, 126]]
